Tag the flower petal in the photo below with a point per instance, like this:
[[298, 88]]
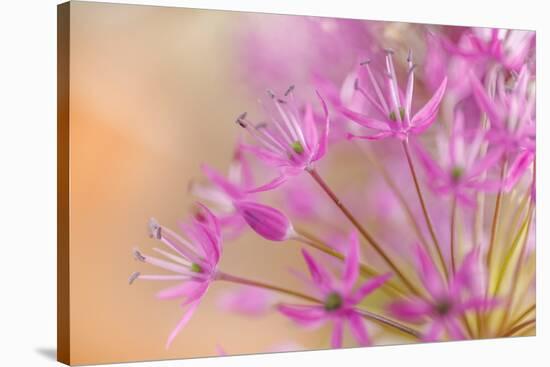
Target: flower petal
[[302, 315], [358, 329], [430, 276], [486, 104], [369, 286], [337, 333], [323, 137], [220, 181], [427, 114], [434, 332], [181, 324], [351, 267]]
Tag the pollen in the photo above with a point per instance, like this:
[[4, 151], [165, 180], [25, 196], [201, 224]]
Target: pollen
[[333, 301], [393, 115], [297, 147], [456, 173], [196, 268]]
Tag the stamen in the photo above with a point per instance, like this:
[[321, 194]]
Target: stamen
[[154, 229], [409, 56], [133, 277], [363, 63], [270, 93], [281, 100], [138, 256], [356, 84], [241, 119], [389, 51], [289, 90]]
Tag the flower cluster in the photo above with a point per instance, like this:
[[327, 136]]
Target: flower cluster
[[430, 235]]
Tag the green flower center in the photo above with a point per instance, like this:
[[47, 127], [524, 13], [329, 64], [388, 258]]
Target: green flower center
[[443, 307], [333, 301], [297, 147], [456, 173], [196, 268], [393, 115]]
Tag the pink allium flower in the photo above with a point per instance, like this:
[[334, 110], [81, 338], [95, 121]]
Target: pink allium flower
[[338, 296], [460, 166], [240, 176], [510, 48], [247, 301], [446, 303], [511, 113], [267, 55], [268, 222], [392, 115], [193, 261], [290, 140]]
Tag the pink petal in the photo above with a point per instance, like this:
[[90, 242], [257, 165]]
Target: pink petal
[[379, 136], [434, 332], [486, 104], [369, 286], [273, 184], [517, 169], [413, 310], [247, 301], [319, 276], [351, 267], [454, 329], [323, 138], [364, 120], [358, 329], [220, 181], [337, 333], [265, 155], [429, 274], [310, 129], [181, 324], [427, 114], [302, 315], [268, 222], [485, 163]]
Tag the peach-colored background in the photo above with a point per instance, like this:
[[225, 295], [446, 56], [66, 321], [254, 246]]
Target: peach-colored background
[[153, 95]]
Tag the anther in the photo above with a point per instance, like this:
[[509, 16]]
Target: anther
[[363, 63], [133, 277], [289, 90], [138, 256], [270, 93], [240, 119], [154, 229]]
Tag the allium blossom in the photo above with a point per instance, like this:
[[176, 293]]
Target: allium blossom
[[268, 222], [461, 164], [240, 176], [290, 140], [392, 115], [511, 113], [447, 303], [339, 297], [192, 261], [510, 48]]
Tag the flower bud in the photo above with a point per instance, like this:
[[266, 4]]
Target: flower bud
[[268, 222]]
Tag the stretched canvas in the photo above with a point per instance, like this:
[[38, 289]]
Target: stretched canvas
[[237, 183]]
